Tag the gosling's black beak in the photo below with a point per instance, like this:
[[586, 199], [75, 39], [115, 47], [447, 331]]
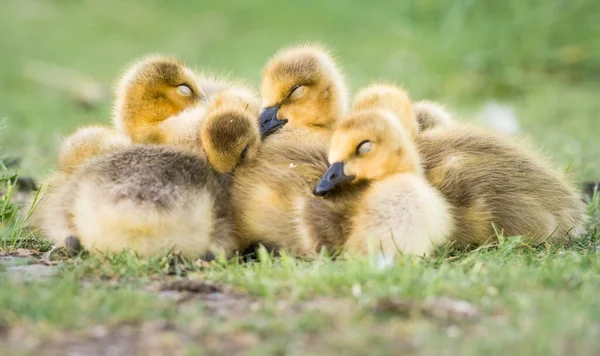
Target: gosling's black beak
[[269, 122], [334, 176]]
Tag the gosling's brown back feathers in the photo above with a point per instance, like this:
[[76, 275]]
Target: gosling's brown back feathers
[[490, 180], [155, 175], [265, 190], [150, 198]]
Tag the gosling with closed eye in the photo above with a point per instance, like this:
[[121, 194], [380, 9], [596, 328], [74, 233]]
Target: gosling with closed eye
[[376, 196], [303, 90], [152, 198], [181, 130], [495, 185], [152, 90], [157, 111], [302, 87]]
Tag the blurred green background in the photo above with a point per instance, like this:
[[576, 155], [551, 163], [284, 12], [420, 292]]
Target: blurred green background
[[542, 58]]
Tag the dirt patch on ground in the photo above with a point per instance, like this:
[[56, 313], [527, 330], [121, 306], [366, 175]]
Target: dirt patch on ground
[[215, 330], [158, 338], [215, 319], [445, 310], [217, 300]]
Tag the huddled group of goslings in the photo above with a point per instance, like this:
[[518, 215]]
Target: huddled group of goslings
[[202, 165]]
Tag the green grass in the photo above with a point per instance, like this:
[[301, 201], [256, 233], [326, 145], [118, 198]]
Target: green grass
[[541, 57], [532, 301], [63, 302]]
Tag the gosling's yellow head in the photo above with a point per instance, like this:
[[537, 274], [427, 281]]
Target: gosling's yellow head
[[389, 97], [154, 89], [88, 142], [302, 87], [229, 131], [369, 145]]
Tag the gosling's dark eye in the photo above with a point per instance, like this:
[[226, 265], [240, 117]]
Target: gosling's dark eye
[[364, 147], [185, 90], [244, 152]]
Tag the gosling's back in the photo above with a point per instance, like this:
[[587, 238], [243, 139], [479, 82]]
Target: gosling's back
[[151, 198], [490, 180], [265, 190]]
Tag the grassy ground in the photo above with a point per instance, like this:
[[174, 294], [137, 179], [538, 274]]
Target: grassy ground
[[540, 57]]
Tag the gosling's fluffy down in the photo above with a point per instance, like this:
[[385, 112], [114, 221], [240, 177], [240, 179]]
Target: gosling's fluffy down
[[378, 199], [88, 142], [185, 132], [430, 114], [52, 214], [151, 90], [152, 198], [497, 186], [151, 108], [212, 84], [303, 86], [303, 97], [229, 133], [265, 189], [392, 98], [493, 184]]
